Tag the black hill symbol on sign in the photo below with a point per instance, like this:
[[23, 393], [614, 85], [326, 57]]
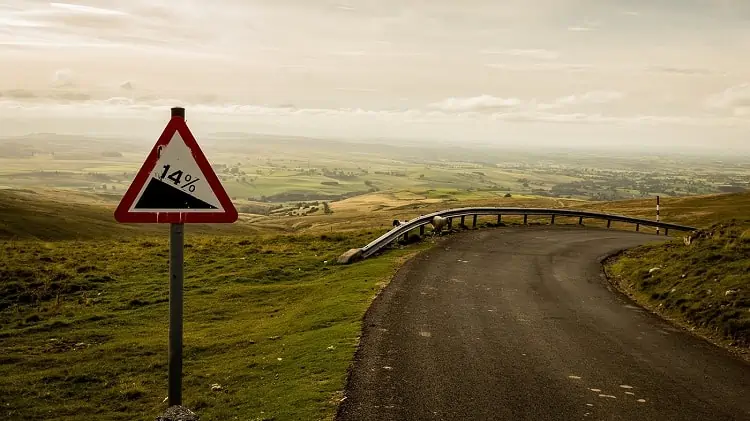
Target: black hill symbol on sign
[[160, 195]]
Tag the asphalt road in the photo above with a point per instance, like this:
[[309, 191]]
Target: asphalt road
[[520, 324]]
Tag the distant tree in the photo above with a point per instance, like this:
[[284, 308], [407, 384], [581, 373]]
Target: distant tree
[[327, 209], [508, 195]]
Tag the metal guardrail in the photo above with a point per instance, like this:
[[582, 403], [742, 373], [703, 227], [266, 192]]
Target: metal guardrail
[[401, 230]]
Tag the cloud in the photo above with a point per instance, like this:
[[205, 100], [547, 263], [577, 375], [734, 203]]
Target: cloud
[[567, 67], [72, 96], [482, 102], [685, 71], [593, 97], [734, 100], [86, 10], [537, 54], [18, 94], [460, 113], [580, 29], [63, 78]]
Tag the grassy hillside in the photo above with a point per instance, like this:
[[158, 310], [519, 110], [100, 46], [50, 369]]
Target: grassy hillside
[[83, 326], [698, 211], [51, 215], [705, 285], [83, 300]]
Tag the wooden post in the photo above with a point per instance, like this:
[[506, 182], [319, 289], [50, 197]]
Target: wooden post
[[609, 223], [463, 220], [450, 223], [580, 220], [421, 230], [553, 219], [637, 227], [666, 231], [474, 224], [499, 219], [525, 219]]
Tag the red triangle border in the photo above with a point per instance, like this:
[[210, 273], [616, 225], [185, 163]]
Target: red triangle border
[[123, 214]]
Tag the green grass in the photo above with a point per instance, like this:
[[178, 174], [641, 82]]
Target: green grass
[[52, 215], [705, 285], [83, 326], [84, 300]]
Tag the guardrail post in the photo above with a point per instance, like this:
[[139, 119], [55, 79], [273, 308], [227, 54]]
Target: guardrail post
[[666, 231], [525, 219], [637, 227], [609, 223], [450, 223], [463, 219], [553, 220], [406, 237], [499, 219], [421, 230], [474, 224], [580, 220]]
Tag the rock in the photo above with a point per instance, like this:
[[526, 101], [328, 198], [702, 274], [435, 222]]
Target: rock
[[178, 413], [729, 292], [652, 270], [350, 256], [216, 387]]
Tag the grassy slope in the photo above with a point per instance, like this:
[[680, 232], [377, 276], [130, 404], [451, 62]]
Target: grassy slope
[[698, 211], [83, 326], [52, 215], [705, 285], [100, 350]]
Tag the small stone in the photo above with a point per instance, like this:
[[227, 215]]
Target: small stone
[[216, 387], [178, 413], [652, 270], [729, 292], [274, 338]]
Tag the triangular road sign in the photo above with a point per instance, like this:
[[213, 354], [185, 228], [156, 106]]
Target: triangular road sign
[[176, 184]]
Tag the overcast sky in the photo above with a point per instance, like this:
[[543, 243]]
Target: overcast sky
[[603, 72]]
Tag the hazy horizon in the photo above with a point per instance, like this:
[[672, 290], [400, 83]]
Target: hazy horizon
[[567, 73]]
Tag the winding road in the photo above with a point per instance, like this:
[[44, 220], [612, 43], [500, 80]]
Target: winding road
[[520, 324]]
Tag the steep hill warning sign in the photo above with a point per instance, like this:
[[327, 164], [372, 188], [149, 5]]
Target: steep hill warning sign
[[176, 184]]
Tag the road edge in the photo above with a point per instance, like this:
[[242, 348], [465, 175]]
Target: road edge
[[369, 314], [619, 284]]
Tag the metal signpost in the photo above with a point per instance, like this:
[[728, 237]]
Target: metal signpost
[[176, 185]]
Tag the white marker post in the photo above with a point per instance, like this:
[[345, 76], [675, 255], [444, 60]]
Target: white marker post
[[657, 214]]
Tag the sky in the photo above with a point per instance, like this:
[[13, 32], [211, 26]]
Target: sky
[[606, 73]]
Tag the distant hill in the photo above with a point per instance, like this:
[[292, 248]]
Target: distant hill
[[27, 214], [51, 215]]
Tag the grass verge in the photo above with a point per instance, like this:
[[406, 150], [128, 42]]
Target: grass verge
[[704, 286], [83, 326]]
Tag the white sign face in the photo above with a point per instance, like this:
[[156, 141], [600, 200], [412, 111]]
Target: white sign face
[[176, 184]]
